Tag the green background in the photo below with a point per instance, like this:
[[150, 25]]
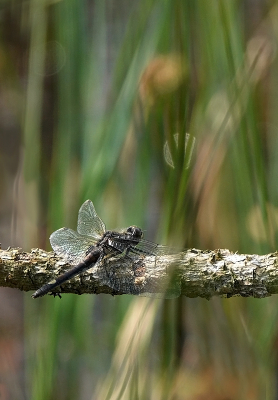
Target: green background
[[164, 114]]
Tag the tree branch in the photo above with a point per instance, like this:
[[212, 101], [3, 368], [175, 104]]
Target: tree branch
[[196, 272]]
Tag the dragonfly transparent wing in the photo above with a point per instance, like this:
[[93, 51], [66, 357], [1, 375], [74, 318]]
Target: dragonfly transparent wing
[[89, 223], [144, 247], [138, 275], [153, 249], [70, 244]]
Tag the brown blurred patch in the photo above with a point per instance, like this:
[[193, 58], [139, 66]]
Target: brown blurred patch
[[163, 75], [209, 385]]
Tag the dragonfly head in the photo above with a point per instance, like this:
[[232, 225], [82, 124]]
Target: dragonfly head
[[135, 232]]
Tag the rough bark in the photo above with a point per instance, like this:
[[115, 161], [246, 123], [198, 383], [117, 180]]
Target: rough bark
[[200, 273]]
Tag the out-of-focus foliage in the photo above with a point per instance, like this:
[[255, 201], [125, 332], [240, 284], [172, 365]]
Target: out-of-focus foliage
[[164, 114]]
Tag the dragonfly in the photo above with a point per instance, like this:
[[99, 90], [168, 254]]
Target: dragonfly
[[118, 257]]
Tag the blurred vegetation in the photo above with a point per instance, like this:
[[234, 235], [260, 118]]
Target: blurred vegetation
[[163, 113]]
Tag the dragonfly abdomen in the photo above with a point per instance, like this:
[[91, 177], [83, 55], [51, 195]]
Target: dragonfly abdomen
[[90, 259]]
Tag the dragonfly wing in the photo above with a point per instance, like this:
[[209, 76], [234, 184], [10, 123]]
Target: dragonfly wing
[[144, 247], [150, 248], [70, 244], [138, 276], [89, 223]]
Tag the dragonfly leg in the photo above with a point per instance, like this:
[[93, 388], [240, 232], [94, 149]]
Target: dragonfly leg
[[55, 294]]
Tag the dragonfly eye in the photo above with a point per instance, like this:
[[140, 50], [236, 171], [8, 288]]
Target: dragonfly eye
[[135, 232]]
